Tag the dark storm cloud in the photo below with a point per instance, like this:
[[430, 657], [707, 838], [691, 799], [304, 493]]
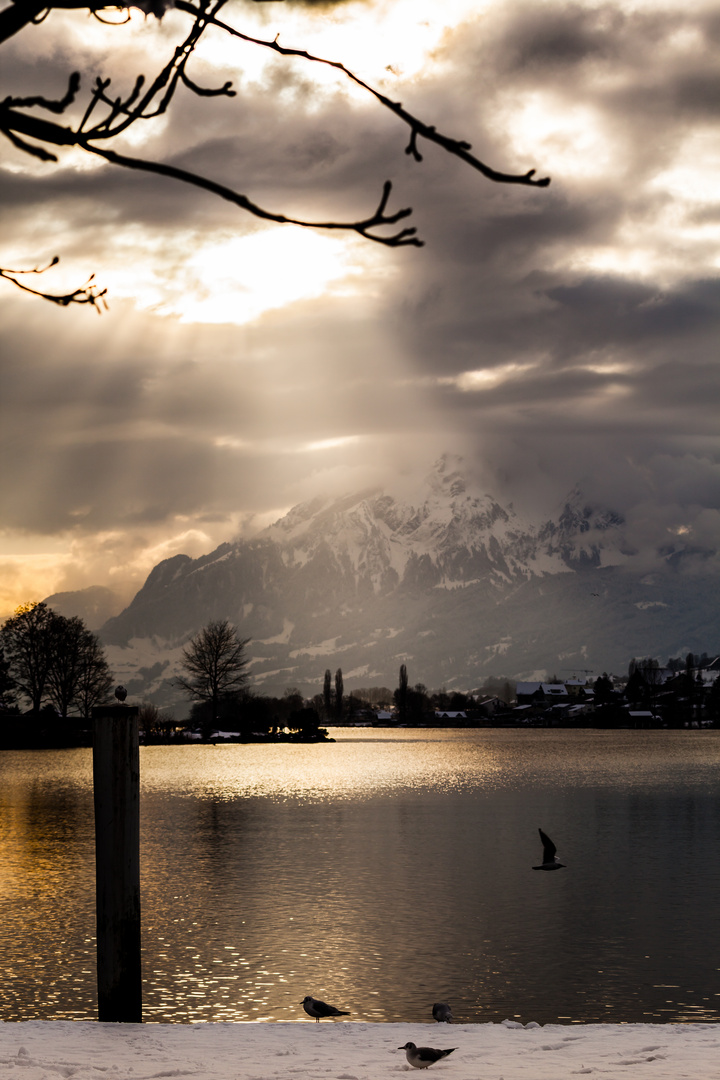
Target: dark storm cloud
[[528, 41], [502, 275], [619, 366], [598, 313], [650, 72]]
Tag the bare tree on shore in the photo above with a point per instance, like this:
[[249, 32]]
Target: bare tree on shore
[[214, 663]]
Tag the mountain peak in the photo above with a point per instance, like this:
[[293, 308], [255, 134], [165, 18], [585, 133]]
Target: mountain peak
[[452, 582], [448, 476]]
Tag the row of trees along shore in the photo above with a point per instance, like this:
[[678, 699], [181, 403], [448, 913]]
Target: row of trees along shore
[[58, 666], [673, 696]]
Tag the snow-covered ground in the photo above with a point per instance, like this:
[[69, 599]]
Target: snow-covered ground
[[40, 1050]]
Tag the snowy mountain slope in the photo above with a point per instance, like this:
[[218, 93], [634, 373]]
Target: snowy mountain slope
[[454, 585]]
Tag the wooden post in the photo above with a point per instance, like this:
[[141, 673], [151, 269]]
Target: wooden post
[[116, 783]]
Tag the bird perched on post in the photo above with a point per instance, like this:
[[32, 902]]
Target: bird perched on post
[[319, 1009], [442, 1012], [120, 693], [550, 859], [422, 1057]]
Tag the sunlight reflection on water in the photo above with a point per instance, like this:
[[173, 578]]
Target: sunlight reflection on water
[[384, 871], [318, 772], [366, 762]]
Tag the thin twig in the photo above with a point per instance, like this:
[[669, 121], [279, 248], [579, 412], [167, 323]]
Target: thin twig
[[89, 293]]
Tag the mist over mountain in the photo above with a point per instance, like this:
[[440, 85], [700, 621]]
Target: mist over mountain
[[453, 584], [93, 605]]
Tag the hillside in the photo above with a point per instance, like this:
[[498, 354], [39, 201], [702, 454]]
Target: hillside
[[454, 585]]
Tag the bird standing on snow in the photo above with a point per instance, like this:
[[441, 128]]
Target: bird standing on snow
[[422, 1057], [319, 1010], [442, 1012], [550, 859]]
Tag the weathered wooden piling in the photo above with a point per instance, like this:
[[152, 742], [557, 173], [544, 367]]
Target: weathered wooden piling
[[116, 784]]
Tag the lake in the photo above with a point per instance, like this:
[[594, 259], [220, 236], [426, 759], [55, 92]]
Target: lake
[[382, 872]]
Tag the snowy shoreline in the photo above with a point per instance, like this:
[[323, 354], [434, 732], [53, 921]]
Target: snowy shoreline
[[38, 1050]]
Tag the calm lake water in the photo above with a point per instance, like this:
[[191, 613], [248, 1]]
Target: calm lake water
[[382, 872]]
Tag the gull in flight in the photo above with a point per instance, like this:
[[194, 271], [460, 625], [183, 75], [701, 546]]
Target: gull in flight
[[550, 859], [319, 1010], [422, 1057]]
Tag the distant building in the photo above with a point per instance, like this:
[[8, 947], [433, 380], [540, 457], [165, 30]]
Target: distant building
[[450, 718], [530, 692]]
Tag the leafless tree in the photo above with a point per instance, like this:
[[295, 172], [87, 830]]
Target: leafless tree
[[95, 680], [29, 124], [156, 726], [214, 665], [26, 641], [339, 694], [56, 659], [327, 694]]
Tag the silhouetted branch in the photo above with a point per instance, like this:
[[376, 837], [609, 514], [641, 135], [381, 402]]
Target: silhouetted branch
[[202, 91], [17, 16], [363, 227], [22, 13], [43, 103], [89, 293], [33, 134], [417, 127], [28, 148]]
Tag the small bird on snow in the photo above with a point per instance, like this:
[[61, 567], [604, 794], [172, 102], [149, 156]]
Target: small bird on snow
[[319, 1010], [550, 859], [442, 1012], [422, 1057]]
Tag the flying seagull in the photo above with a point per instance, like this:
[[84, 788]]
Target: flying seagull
[[422, 1057], [550, 859], [442, 1012], [319, 1010]]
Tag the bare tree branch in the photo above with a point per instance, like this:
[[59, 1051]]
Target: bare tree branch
[[43, 103], [417, 127], [32, 134], [22, 13], [89, 293], [363, 227]]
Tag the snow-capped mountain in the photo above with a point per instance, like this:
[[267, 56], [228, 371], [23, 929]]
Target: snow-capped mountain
[[452, 584]]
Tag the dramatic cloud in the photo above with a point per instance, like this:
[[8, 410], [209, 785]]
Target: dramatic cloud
[[557, 336]]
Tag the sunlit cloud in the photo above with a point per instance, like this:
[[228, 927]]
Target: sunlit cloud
[[693, 179], [237, 278], [330, 444], [573, 136], [370, 39], [27, 578], [486, 378]]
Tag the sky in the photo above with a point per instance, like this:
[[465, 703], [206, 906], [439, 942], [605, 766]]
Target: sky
[[556, 336]]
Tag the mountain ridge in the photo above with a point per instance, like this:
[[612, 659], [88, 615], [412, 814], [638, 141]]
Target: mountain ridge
[[453, 584]]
